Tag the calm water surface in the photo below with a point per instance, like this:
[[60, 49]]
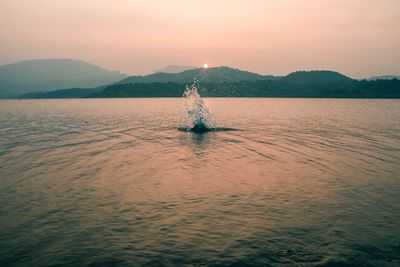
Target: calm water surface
[[112, 182]]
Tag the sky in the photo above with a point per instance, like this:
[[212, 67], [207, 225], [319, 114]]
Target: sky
[[356, 37]]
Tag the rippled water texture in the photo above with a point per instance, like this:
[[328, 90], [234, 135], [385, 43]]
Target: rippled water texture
[[113, 182]]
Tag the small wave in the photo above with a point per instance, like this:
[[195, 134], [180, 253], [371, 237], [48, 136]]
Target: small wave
[[206, 130]]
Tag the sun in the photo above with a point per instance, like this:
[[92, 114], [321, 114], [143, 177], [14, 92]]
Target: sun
[[205, 66]]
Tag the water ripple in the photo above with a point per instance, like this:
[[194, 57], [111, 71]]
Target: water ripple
[[114, 182]]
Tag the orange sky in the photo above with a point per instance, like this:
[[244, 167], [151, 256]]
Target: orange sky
[[357, 37]]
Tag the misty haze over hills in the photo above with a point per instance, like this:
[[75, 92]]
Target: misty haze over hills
[[384, 77], [175, 69], [66, 78], [51, 74]]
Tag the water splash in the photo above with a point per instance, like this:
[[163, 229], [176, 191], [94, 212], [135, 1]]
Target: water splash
[[198, 117]]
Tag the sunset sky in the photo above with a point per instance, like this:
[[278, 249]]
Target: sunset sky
[[356, 37]]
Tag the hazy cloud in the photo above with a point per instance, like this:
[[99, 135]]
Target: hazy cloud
[[356, 37]]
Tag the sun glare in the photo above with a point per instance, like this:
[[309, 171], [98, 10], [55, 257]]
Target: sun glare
[[205, 66]]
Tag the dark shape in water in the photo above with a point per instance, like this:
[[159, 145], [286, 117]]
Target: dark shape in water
[[197, 129], [200, 127]]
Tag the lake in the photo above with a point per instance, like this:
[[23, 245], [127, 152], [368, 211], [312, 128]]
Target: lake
[[113, 182]]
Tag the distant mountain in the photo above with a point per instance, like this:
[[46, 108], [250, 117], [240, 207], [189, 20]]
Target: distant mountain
[[62, 93], [175, 69], [52, 74], [384, 77], [228, 82], [210, 75], [316, 76]]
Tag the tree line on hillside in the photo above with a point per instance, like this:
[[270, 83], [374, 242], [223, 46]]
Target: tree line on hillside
[[318, 84], [266, 88]]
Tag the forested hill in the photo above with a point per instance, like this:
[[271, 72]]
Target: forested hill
[[227, 82], [211, 75]]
